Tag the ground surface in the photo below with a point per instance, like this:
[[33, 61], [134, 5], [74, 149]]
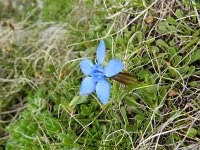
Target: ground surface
[[41, 45]]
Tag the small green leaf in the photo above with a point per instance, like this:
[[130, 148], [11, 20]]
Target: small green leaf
[[192, 69], [171, 20], [77, 100], [177, 59], [193, 83], [161, 43], [195, 56], [196, 33], [139, 119], [139, 36], [123, 111], [174, 29], [150, 40], [143, 73], [163, 27], [52, 68], [192, 42], [172, 51], [184, 69], [171, 43], [179, 13], [86, 110], [192, 132]]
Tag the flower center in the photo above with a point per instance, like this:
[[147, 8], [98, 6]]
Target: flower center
[[98, 72]]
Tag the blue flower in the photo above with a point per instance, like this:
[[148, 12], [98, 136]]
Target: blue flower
[[97, 74]]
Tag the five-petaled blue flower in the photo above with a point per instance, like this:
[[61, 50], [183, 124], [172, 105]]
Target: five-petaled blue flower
[[97, 75]]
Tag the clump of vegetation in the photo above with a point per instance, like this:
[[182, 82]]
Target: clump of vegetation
[[42, 45]]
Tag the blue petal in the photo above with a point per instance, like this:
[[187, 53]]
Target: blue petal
[[113, 68], [86, 66], [103, 90], [101, 52], [87, 86]]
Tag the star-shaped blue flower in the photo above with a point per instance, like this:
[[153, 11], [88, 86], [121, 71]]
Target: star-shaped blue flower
[[97, 74]]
